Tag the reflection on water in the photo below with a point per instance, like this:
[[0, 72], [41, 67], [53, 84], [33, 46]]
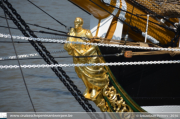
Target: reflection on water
[[46, 90]]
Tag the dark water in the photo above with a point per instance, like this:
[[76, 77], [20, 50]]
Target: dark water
[[46, 90]]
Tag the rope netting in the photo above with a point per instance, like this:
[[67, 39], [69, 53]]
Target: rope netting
[[169, 8]]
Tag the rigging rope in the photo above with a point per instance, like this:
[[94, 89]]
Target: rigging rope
[[174, 40], [94, 64], [20, 67], [130, 20], [21, 37], [126, 37], [39, 26], [79, 7], [48, 14], [29, 55], [176, 30], [44, 57], [107, 55], [44, 32], [120, 19], [146, 28], [21, 42], [150, 38], [153, 13], [87, 43], [145, 19]]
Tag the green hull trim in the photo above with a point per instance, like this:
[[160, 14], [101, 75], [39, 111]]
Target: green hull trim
[[135, 107]]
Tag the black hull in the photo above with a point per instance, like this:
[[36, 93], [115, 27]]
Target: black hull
[[147, 85]]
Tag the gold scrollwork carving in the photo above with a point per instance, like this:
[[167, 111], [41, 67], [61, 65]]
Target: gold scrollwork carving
[[116, 100], [95, 78]]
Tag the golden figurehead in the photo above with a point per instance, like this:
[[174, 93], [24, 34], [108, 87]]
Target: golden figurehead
[[95, 78]]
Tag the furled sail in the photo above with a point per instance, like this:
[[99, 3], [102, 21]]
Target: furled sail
[[169, 8]]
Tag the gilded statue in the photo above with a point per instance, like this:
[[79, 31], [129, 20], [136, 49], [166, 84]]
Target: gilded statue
[[95, 78]]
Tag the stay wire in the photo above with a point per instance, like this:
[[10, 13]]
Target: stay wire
[[14, 28], [47, 13], [65, 35], [39, 26], [151, 12], [52, 33], [107, 55], [33, 43], [43, 32], [144, 18], [55, 62], [79, 7], [25, 42], [123, 49], [19, 66], [130, 20], [135, 29], [44, 57]]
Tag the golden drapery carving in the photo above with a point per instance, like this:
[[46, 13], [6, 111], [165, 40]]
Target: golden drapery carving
[[95, 78]]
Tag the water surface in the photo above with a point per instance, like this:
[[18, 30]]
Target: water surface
[[46, 90]]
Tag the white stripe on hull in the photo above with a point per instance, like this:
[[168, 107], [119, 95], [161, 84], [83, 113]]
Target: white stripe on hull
[[119, 28], [174, 108], [104, 23]]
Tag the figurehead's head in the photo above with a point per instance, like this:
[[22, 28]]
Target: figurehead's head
[[78, 23]]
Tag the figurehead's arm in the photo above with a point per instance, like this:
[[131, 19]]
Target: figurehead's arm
[[90, 36], [89, 49], [86, 52], [96, 39], [92, 48], [68, 46]]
